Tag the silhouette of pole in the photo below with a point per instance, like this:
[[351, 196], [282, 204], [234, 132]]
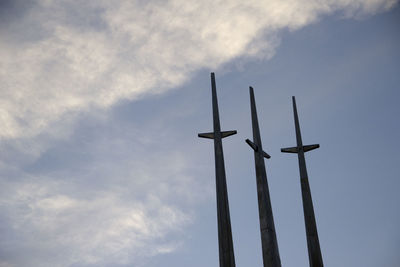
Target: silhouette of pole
[[269, 243], [226, 255], [314, 250]]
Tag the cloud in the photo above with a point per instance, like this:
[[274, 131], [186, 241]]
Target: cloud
[[106, 202], [59, 57], [101, 229], [105, 199]]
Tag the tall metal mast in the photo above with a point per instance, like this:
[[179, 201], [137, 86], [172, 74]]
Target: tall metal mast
[[226, 255], [269, 243], [314, 250]]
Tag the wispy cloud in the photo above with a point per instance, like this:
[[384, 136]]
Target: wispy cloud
[[113, 201], [114, 204], [61, 57], [105, 228]]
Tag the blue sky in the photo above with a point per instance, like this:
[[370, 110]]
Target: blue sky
[[101, 105]]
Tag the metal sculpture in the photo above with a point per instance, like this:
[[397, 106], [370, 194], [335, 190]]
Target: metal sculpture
[[269, 242], [314, 250], [226, 254]]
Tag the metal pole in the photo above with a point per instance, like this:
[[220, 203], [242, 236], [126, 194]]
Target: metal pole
[[269, 242], [226, 254], [314, 250]]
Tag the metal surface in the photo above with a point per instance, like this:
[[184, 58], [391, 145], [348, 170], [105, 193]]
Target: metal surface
[[269, 243], [314, 250], [226, 255]]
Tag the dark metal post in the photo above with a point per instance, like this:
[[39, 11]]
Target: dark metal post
[[226, 255], [269, 242], [314, 250]]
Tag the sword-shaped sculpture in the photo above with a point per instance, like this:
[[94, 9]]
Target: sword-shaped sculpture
[[314, 250], [226, 255], [269, 243]]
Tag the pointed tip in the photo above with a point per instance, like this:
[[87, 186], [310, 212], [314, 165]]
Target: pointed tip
[[212, 78], [251, 91], [294, 100]]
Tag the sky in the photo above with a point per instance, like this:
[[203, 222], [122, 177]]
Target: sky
[[101, 103]]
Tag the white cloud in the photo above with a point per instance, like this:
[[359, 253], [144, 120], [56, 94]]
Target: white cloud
[[88, 54], [106, 223], [114, 204], [66, 57]]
